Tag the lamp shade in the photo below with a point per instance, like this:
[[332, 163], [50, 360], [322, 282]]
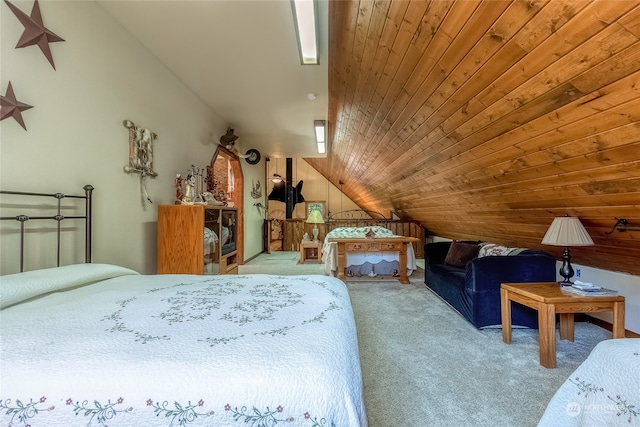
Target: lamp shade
[[567, 231], [315, 217]]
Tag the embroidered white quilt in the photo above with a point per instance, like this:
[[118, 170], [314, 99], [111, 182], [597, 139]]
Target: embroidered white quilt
[[603, 391], [180, 350], [330, 250]]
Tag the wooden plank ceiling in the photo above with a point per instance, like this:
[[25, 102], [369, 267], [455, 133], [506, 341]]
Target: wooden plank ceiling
[[484, 120]]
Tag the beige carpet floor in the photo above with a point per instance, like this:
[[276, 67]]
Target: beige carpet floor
[[424, 365]]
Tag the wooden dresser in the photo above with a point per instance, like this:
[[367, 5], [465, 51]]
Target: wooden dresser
[[181, 240]]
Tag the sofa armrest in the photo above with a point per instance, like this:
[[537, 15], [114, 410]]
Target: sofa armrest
[[487, 273]]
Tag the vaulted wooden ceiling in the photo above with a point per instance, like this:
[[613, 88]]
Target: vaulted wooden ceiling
[[486, 119]]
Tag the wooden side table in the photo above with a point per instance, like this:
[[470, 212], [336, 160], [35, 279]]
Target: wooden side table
[[306, 245], [549, 298]]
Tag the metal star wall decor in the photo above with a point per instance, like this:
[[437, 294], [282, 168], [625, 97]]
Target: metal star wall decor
[[11, 107], [35, 32]]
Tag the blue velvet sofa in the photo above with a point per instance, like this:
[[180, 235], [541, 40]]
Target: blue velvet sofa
[[474, 290]]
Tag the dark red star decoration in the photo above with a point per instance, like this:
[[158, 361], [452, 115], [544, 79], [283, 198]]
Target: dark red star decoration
[[35, 32], [11, 107]]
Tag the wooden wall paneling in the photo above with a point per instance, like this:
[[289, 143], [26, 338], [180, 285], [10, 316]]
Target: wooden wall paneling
[[372, 96], [348, 71], [399, 53], [399, 100], [344, 21], [422, 94], [375, 49], [490, 38], [489, 157], [358, 51], [485, 123]]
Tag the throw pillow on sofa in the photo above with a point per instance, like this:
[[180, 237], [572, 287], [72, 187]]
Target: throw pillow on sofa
[[491, 249], [460, 253]]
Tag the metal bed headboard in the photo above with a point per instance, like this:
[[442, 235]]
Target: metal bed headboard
[[88, 189], [356, 214]]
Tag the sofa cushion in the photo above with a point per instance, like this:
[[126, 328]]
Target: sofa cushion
[[491, 249], [460, 253]]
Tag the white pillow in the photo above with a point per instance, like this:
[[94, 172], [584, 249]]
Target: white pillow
[[15, 288]]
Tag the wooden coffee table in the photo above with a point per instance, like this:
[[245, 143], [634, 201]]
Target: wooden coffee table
[[549, 298]]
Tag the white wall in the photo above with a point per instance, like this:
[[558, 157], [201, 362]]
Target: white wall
[[626, 285], [75, 134], [253, 217]]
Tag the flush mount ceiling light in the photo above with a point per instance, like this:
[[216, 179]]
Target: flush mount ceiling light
[[320, 128], [304, 19], [312, 96]]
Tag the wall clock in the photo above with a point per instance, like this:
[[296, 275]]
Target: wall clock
[[253, 156]]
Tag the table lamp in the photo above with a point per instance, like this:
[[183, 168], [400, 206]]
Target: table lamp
[[315, 218], [566, 231]]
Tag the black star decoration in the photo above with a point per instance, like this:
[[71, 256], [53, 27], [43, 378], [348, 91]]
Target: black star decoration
[[35, 32], [11, 107]]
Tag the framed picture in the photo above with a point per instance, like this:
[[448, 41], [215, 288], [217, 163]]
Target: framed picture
[[315, 206]]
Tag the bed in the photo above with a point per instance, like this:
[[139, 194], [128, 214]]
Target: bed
[[101, 345], [603, 391], [364, 263]]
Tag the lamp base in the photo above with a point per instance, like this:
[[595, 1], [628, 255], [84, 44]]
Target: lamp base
[[566, 271], [315, 233]]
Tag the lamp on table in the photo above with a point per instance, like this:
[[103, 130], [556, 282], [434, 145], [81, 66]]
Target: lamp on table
[[566, 231], [315, 218]]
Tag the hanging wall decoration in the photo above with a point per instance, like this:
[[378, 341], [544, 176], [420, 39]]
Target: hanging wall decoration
[[11, 107], [35, 33], [140, 156], [256, 191]]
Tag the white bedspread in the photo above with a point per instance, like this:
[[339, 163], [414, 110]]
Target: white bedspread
[[603, 391], [330, 250], [181, 350]]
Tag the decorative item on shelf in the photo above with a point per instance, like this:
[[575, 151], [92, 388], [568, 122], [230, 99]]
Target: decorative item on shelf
[[305, 237], [11, 107], [210, 199], [194, 189], [140, 156], [567, 231], [315, 218], [210, 180], [178, 185], [35, 33], [228, 139]]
